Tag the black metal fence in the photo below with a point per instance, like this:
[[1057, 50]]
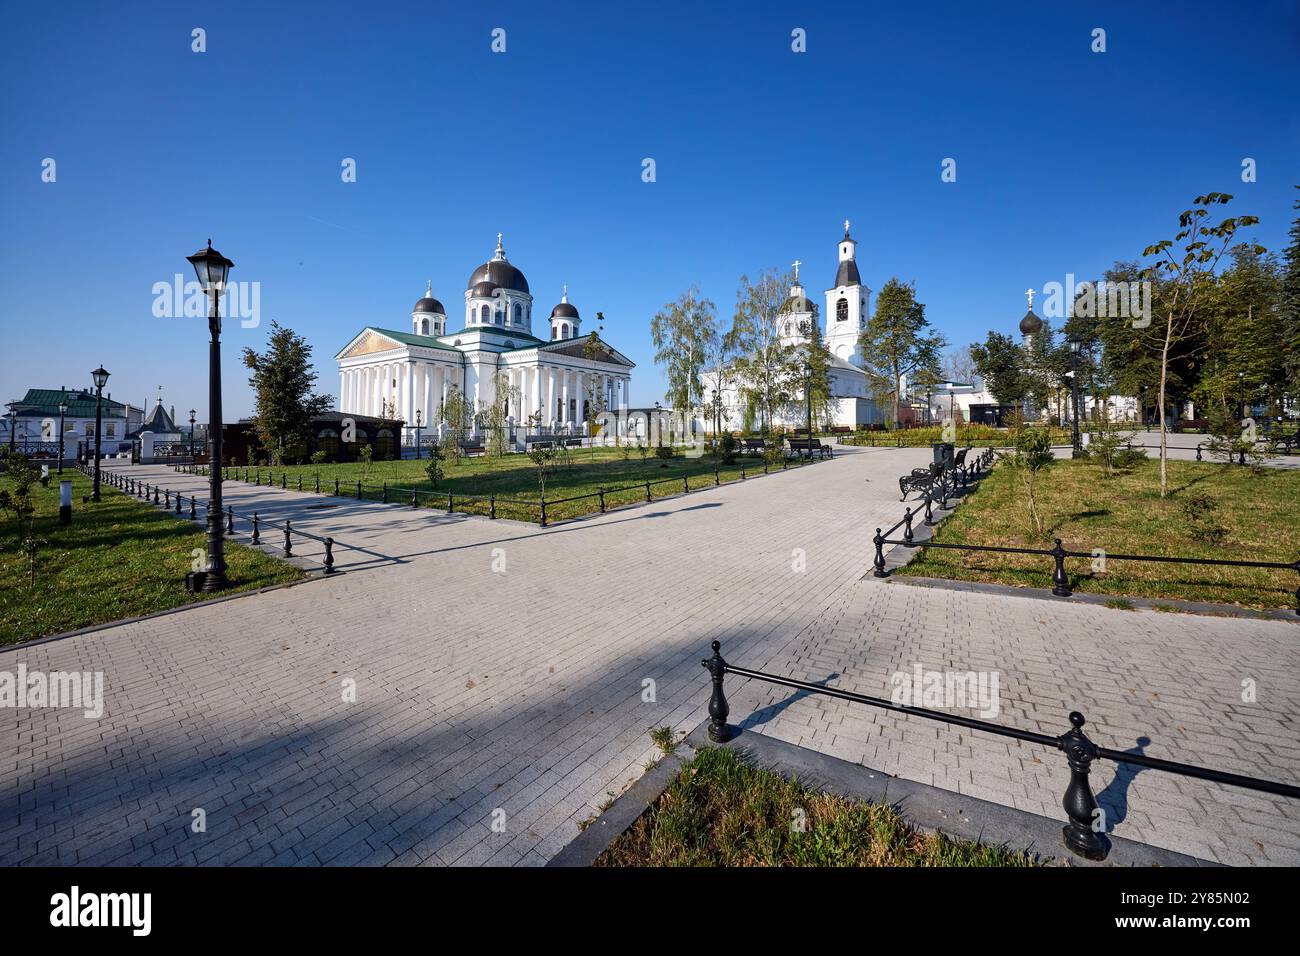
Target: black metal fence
[[1082, 834], [541, 510], [159, 495], [1061, 585]]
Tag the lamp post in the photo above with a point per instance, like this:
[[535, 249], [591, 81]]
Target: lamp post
[[1075, 345], [807, 397], [928, 396], [212, 268], [63, 411], [12, 415], [1241, 392], [419, 421], [191, 433], [952, 405], [100, 376]]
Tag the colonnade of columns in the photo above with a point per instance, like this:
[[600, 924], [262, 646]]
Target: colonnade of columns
[[400, 389]]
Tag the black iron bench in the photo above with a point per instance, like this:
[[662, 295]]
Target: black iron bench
[[752, 446], [921, 479], [809, 446]]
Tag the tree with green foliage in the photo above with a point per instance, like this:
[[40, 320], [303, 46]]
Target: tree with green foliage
[[1289, 313], [682, 333], [1000, 361], [457, 416], [284, 405], [1190, 276], [495, 414], [767, 370], [898, 340], [817, 373], [1031, 456], [596, 403]]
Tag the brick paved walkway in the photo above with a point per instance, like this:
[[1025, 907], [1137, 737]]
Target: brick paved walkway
[[522, 692]]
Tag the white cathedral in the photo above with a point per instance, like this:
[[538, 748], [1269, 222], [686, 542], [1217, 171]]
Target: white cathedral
[[406, 375], [848, 305]]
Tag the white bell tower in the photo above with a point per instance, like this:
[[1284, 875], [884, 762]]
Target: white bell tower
[[848, 304]]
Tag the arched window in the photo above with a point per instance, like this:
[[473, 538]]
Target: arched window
[[327, 440], [564, 330], [842, 310], [483, 315], [424, 326], [519, 314], [500, 318]]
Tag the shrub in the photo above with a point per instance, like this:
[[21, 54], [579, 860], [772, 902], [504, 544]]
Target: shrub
[[319, 457], [1201, 512], [664, 452], [1032, 455], [728, 448]]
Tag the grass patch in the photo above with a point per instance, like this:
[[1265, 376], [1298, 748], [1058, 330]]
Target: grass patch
[[1212, 511], [719, 811], [118, 558], [473, 480]]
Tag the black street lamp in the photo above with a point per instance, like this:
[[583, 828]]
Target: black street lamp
[[1075, 345], [100, 377], [807, 396], [63, 411], [928, 395], [952, 405], [12, 415], [212, 268], [191, 434], [419, 421]]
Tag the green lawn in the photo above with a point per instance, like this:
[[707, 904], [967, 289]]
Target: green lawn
[[514, 479], [719, 811], [1251, 517], [117, 559]]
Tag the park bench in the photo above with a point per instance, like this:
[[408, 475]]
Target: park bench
[[751, 446], [539, 445], [471, 448], [809, 446], [921, 479], [841, 430]]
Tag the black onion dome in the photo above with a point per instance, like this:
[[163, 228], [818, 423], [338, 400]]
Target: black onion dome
[[847, 274], [429, 304], [1030, 324], [500, 273], [483, 289], [564, 310]]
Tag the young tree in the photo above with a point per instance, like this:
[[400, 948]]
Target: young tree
[[494, 414], [681, 333], [817, 365], [282, 380], [897, 340], [1190, 275], [958, 366], [457, 413], [766, 370], [593, 349]]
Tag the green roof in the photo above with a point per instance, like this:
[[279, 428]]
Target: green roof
[[410, 338], [81, 403]]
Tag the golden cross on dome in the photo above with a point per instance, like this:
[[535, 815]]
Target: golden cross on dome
[[1030, 293]]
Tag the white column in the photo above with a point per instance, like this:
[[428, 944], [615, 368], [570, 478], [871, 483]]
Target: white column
[[408, 393], [564, 396], [537, 391], [426, 409]]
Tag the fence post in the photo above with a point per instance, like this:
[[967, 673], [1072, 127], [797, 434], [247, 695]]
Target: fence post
[[178, 502], [336, 487], [1060, 582], [1079, 803], [385, 492], [742, 471], [907, 526], [929, 518], [155, 494], [449, 501], [765, 465], [318, 484], [1198, 451], [686, 486], [647, 491], [288, 544], [329, 555], [284, 480], [718, 709], [879, 562], [492, 506], [167, 498], [415, 501], [257, 535], [601, 493], [717, 478], [193, 505], [358, 489], [543, 512], [300, 482]]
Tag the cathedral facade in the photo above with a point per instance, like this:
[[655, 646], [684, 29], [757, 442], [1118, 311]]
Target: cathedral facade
[[552, 379], [848, 306]]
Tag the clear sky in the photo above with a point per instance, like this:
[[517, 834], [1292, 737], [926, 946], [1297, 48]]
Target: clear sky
[[1066, 159]]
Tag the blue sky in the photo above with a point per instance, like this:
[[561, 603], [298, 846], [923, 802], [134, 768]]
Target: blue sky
[[1066, 159]]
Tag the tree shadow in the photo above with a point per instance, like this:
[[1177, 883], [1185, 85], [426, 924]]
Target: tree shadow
[[766, 714]]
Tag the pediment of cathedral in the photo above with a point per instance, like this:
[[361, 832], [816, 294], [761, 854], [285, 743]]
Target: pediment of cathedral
[[369, 343], [577, 348]]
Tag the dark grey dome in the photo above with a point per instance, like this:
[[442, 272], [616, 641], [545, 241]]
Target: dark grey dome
[[429, 304], [1030, 324], [484, 288], [796, 303], [501, 273], [847, 274], [564, 311]]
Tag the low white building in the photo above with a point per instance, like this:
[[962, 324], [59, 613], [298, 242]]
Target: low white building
[[36, 422]]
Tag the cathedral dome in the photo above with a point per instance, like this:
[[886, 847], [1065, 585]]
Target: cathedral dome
[[796, 304], [499, 273], [428, 304], [1030, 324], [564, 311], [485, 288]]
